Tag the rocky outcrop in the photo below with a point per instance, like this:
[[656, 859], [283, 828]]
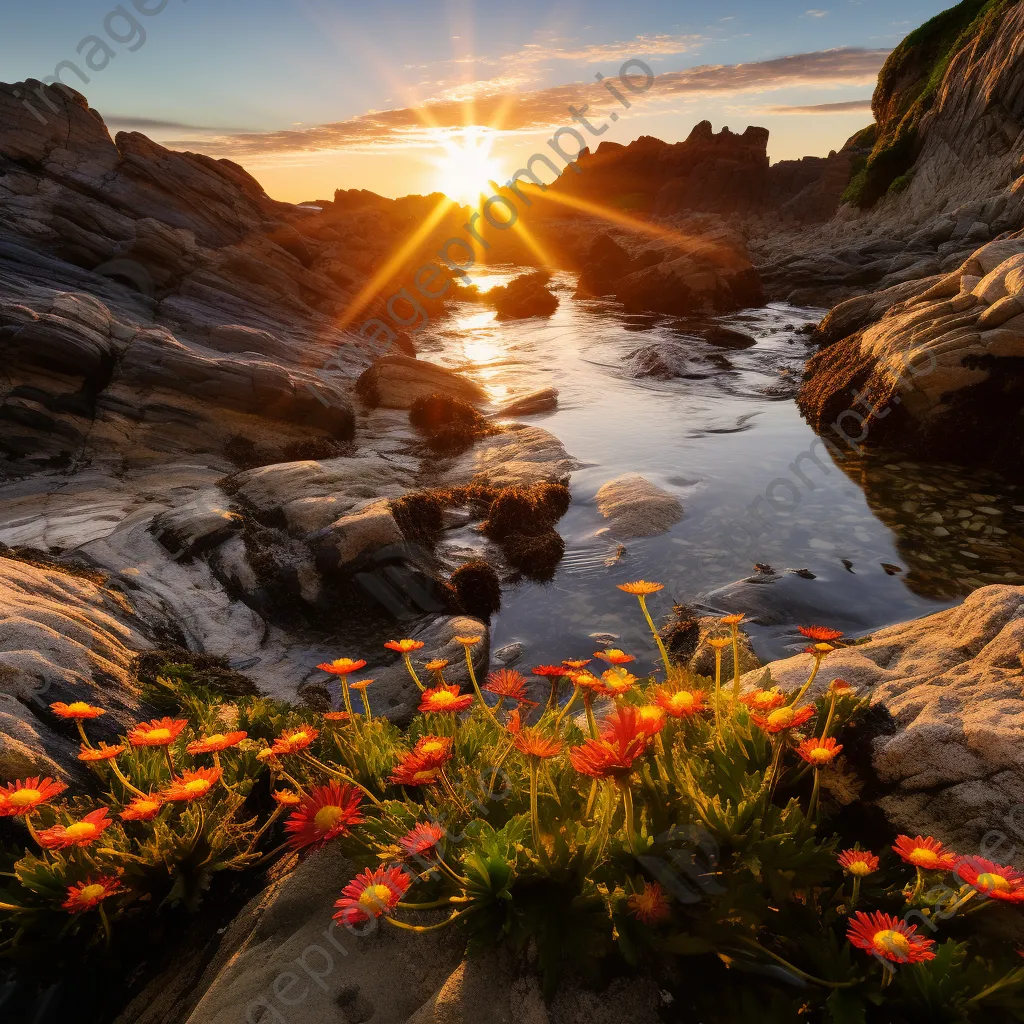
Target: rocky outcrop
[[941, 372], [524, 296], [396, 382], [634, 507], [947, 720]]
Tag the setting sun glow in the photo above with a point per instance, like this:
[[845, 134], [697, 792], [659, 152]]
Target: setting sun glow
[[467, 166]]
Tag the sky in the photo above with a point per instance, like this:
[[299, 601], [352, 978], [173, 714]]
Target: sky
[[412, 97]]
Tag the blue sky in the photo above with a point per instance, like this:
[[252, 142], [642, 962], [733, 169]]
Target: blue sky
[[278, 70]]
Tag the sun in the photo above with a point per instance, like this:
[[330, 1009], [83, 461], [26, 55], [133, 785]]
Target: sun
[[467, 167]]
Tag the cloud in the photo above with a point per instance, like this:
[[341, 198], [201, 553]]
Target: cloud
[[815, 13], [152, 123], [545, 109], [846, 107]]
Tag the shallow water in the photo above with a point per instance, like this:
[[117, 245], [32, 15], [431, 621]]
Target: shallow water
[[882, 538]]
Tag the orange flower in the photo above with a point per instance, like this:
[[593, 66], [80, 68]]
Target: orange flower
[[467, 641], [143, 808], [342, 666], [192, 785], [995, 880], [79, 833], [437, 665], [622, 741], [507, 682], [764, 700], [651, 718], [819, 650], [534, 743], [421, 840], [79, 709], [822, 634], [641, 587], [336, 716], [680, 703], [888, 936], [840, 686], [514, 723], [818, 752], [361, 685], [100, 753], [436, 749], [161, 732], [444, 699], [858, 862], [569, 663], [420, 767], [784, 718], [719, 642], [614, 656], [925, 853], [406, 646], [90, 893], [371, 894], [327, 812], [588, 681], [650, 905], [24, 796], [617, 681], [286, 797], [291, 741], [732, 620], [550, 670], [216, 742]]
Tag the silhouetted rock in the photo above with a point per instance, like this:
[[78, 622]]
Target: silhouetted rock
[[523, 297]]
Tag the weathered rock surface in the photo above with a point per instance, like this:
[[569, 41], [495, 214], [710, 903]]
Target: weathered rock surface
[[533, 404], [635, 507], [950, 760], [395, 382]]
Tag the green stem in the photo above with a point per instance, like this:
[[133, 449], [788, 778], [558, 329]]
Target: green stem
[[13, 909], [81, 732], [657, 636], [590, 799], [718, 693], [534, 815], [170, 761], [447, 783], [278, 811], [828, 719], [445, 901], [796, 970], [106, 923], [565, 710], [427, 927], [123, 780], [343, 776], [591, 722], [856, 893], [774, 770], [627, 800], [347, 698], [735, 663], [477, 691], [366, 704], [556, 682], [818, 658], [812, 806], [412, 672]]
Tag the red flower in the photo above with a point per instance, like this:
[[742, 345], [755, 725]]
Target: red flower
[[420, 767], [341, 667], [327, 812], [622, 741], [143, 808], [858, 862], [161, 732], [100, 753], [995, 880], [444, 699], [422, 839], [507, 682], [819, 752], [514, 722], [650, 905], [192, 785], [408, 646], [90, 893], [925, 853], [614, 656], [783, 718], [24, 796], [680, 703], [79, 709], [291, 741], [550, 670], [336, 716], [823, 634], [371, 894], [216, 742], [888, 936], [651, 718], [764, 700], [534, 743], [79, 833]]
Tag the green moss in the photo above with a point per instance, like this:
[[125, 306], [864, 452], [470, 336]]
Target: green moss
[[901, 183]]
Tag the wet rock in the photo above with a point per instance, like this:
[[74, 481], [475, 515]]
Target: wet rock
[[396, 382], [603, 265], [353, 536], [544, 400], [726, 337], [635, 507], [665, 360], [524, 297]]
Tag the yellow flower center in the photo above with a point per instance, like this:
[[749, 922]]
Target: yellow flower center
[[159, 734], [682, 701], [81, 830], [432, 747], [859, 868], [990, 882], [923, 858], [375, 897], [820, 755], [780, 717], [327, 817], [91, 892], [198, 786], [146, 806], [764, 699], [890, 941], [298, 737], [443, 699], [25, 798], [79, 706], [217, 737]]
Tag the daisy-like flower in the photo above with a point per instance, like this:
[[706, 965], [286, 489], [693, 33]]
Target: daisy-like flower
[[719, 642], [286, 797], [732, 620], [1001, 882], [79, 709], [23, 797], [514, 722], [467, 641], [588, 681], [650, 905], [372, 894], [143, 808], [651, 718], [437, 665], [192, 785], [507, 682], [889, 937], [101, 753], [421, 840], [614, 656], [641, 587], [78, 833], [437, 749], [291, 741], [819, 650], [764, 700], [405, 646], [784, 718], [550, 670], [858, 862], [925, 852], [342, 666], [617, 681], [216, 742], [444, 699], [680, 703], [327, 812], [576, 664], [823, 634], [161, 732], [91, 893], [421, 765], [840, 686], [819, 752], [337, 716], [612, 756], [534, 743]]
